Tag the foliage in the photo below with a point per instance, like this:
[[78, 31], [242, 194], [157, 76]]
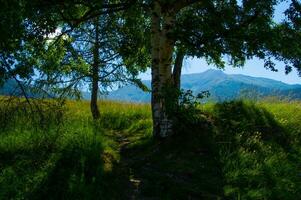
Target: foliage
[[216, 30], [185, 111]]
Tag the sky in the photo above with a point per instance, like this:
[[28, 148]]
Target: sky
[[252, 67]]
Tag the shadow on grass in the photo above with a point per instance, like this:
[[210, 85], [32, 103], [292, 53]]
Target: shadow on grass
[[255, 153], [191, 164], [195, 163], [72, 168], [181, 167], [246, 118], [85, 170], [76, 174]]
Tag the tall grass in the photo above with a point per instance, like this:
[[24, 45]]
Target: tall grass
[[237, 150], [259, 148], [53, 152]]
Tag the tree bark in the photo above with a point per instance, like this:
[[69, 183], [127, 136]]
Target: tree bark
[[162, 51], [95, 76], [167, 48], [155, 43], [177, 70]]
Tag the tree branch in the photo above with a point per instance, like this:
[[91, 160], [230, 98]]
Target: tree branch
[[182, 4]]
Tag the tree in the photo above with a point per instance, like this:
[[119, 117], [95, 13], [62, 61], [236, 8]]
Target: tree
[[101, 44], [95, 52], [69, 43], [212, 30], [22, 23]]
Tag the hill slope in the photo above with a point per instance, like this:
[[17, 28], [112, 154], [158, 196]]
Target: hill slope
[[220, 85]]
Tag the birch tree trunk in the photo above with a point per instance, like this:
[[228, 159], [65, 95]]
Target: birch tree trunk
[[166, 83], [95, 78], [155, 43], [162, 51]]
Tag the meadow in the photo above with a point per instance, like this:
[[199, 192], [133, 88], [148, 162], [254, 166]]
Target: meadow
[[231, 150]]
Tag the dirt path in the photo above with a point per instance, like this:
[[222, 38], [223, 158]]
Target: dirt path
[[156, 171]]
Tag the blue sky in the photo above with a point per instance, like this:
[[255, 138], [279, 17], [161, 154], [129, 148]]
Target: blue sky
[[253, 67]]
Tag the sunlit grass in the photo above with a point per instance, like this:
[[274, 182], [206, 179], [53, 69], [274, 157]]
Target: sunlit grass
[[76, 151], [245, 150]]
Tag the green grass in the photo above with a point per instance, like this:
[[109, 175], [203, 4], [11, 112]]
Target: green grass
[[262, 157], [234, 150]]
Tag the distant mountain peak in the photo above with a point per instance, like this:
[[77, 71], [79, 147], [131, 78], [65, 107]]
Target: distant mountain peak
[[221, 86], [213, 71]]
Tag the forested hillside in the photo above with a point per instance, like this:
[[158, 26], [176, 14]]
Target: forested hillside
[[221, 87]]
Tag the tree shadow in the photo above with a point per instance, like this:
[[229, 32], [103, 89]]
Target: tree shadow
[[86, 170], [75, 172], [246, 118], [188, 165], [254, 151], [181, 167]]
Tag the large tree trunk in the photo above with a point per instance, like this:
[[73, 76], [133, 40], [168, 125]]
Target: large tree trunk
[[166, 83], [162, 51], [155, 42], [177, 70], [95, 76]]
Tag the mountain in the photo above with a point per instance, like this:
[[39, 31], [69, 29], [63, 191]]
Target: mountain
[[9, 87], [220, 85]]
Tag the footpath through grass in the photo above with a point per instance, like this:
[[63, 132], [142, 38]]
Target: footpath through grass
[[235, 150]]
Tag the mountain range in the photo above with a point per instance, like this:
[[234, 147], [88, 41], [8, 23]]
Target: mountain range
[[221, 87]]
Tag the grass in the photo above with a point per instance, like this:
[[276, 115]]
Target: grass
[[234, 150], [262, 157]]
